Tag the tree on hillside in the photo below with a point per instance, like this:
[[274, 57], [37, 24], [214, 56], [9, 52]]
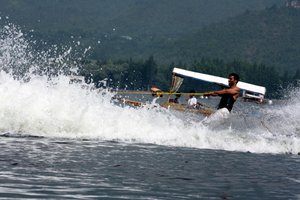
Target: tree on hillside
[[150, 70]]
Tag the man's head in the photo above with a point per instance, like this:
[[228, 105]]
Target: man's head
[[233, 78]]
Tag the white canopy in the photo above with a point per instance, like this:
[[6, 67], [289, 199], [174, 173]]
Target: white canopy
[[219, 80]]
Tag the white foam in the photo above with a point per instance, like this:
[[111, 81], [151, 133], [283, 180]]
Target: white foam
[[60, 109]]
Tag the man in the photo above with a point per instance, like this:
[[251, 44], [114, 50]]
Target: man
[[176, 100], [156, 92], [228, 97], [192, 101]]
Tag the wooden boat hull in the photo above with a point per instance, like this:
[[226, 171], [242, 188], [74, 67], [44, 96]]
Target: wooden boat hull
[[183, 108], [175, 106]]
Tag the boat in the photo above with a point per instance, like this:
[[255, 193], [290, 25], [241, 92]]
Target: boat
[[250, 92], [204, 110]]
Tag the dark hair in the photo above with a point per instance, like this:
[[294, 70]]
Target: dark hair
[[235, 76]]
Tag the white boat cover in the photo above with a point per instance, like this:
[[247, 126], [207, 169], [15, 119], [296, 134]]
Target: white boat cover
[[219, 80]]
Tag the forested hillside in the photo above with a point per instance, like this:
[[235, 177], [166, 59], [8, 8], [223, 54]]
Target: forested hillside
[[122, 28], [129, 17], [271, 37]]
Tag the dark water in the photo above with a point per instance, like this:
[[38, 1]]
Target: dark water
[[43, 168]]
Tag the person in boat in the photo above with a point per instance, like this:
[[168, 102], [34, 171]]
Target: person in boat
[[156, 92], [176, 99], [228, 96], [192, 101]]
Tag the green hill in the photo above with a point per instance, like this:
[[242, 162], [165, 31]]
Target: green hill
[[121, 28], [270, 37], [171, 30], [130, 17]]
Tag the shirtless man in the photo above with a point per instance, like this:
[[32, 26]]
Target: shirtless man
[[229, 95]]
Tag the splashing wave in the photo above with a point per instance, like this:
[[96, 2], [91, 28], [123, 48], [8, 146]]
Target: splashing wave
[[37, 99]]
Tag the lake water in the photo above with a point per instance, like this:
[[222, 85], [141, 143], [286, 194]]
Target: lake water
[[66, 141], [49, 168]]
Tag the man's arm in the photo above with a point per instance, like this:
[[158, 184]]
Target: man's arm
[[232, 91]]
